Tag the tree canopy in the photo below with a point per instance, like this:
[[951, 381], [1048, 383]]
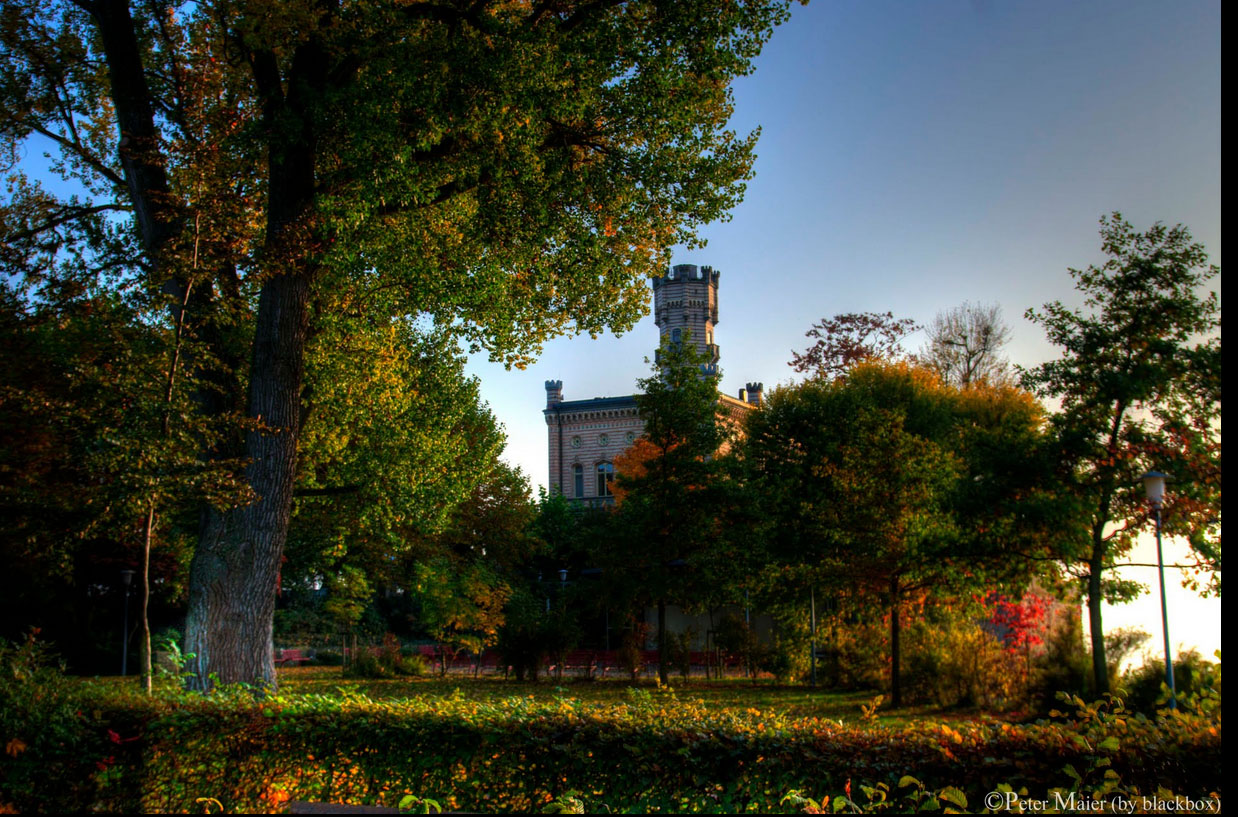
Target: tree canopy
[[507, 171], [889, 482], [850, 338], [965, 344]]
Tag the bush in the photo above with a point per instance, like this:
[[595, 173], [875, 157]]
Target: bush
[[679, 651], [390, 661], [630, 655], [1143, 687], [53, 753], [1064, 666], [735, 636], [960, 663], [366, 664], [328, 658], [519, 754]]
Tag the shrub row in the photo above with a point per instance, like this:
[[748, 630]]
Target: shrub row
[[653, 753]]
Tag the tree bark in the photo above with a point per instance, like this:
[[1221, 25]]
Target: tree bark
[[1100, 666], [896, 692], [147, 671], [1096, 562], [234, 576], [235, 570], [663, 675]]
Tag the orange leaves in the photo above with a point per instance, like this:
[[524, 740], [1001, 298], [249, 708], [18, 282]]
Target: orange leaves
[[15, 747], [634, 465]]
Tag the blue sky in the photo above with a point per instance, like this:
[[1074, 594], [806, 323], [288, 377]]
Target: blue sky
[[917, 155]]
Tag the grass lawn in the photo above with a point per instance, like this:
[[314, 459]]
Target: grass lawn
[[738, 694]]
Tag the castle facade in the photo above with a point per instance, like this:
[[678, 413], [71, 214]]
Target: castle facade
[[584, 437]]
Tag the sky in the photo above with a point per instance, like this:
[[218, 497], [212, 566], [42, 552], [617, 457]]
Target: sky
[[914, 156]]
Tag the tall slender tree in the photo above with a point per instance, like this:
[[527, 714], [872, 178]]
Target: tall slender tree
[[668, 512], [1139, 384]]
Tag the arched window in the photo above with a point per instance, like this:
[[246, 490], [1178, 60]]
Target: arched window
[[606, 475], [675, 336], [578, 480]]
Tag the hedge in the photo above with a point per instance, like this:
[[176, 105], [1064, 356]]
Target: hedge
[[654, 753]]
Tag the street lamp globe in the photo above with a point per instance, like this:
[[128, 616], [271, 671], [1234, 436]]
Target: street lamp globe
[[1154, 486]]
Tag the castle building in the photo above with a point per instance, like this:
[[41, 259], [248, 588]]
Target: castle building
[[584, 437]]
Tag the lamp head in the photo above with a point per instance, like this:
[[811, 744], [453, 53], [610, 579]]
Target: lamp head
[[126, 577], [1154, 486]]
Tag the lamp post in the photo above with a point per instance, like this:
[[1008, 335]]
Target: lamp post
[[1154, 486], [126, 578]]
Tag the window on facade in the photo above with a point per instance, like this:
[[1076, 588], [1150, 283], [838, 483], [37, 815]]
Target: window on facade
[[578, 478], [606, 475], [675, 336]]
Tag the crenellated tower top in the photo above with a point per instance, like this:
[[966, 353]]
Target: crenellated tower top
[[686, 298]]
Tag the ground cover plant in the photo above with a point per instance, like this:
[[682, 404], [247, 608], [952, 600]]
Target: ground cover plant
[[603, 746]]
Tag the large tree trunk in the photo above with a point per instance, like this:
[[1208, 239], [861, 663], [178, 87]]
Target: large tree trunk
[[234, 575], [235, 569]]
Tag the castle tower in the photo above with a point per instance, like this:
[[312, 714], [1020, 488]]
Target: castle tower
[[686, 298], [554, 393]]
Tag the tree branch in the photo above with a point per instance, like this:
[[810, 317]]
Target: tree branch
[[66, 214], [1145, 564], [338, 490], [80, 151]]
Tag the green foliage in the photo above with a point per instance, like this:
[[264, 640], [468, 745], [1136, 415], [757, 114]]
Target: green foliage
[[328, 658], [1062, 667], [412, 804], [390, 661], [1196, 679], [461, 604], [93, 436], [300, 189], [735, 636], [169, 659], [1139, 385], [679, 651], [960, 663], [1119, 644], [44, 734], [656, 752], [348, 594], [397, 446], [884, 487], [669, 511]]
